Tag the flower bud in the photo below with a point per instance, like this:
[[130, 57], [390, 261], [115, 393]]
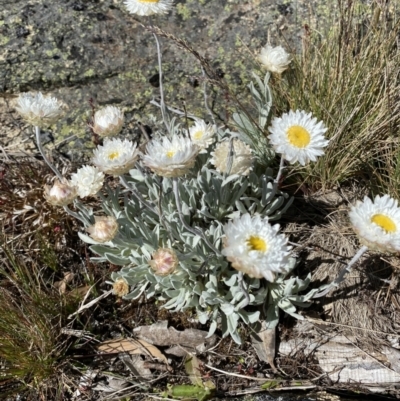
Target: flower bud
[[242, 159], [164, 261], [108, 121], [61, 193], [104, 229], [120, 287], [274, 59]]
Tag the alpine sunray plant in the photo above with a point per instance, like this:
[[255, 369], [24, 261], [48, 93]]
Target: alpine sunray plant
[[173, 223]]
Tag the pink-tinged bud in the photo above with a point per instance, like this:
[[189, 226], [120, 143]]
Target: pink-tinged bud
[[164, 261], [120, 287], [104, 229], [61, 193]]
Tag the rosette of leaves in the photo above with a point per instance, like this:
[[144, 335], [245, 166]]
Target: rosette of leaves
[[204, 280]]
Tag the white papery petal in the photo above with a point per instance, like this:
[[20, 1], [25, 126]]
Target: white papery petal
[[371, 234], [88, 180], [116, 156], [146, 7], [279, 138], [170, 157], [202, 134], [262, 263], [40, 110], [275, 59]]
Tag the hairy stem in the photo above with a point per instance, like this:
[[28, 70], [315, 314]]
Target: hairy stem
[[342, 274], [39, 145], [190, 229]]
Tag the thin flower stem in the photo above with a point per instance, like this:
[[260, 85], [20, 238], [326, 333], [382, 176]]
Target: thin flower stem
[[74, 215], [190, 229], [137, 195], [231, 156], [162, 103], [205, 96], [173, 110], [39, 145], [280, 171], [243, 289], [342, 274]]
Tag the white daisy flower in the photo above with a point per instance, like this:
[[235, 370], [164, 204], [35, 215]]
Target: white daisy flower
[[298, 137], [241, 160], [88, 180], [39, 110], [377, 223], [275, 59], [104, 229], [202, 135], [170, 157], [148, 7], [61, 193], [254, 247], [116, 156], [108, 121]]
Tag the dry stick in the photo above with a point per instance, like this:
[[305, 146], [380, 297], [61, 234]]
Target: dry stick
[[236, 374], [335, 283], [91, 303], [190, 229], [39, 145]]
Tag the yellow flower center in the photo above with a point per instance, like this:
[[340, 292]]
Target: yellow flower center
[[298, 136], [113, 155], [149, 1], [384, 222], [171, 153], [198, 135], [256, 244]]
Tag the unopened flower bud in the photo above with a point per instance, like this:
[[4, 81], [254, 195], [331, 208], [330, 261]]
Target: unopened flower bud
[[241, 158], [61, 193], [108, 121], [164, 261], [104, 229], [120, 287], [275, 59]]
